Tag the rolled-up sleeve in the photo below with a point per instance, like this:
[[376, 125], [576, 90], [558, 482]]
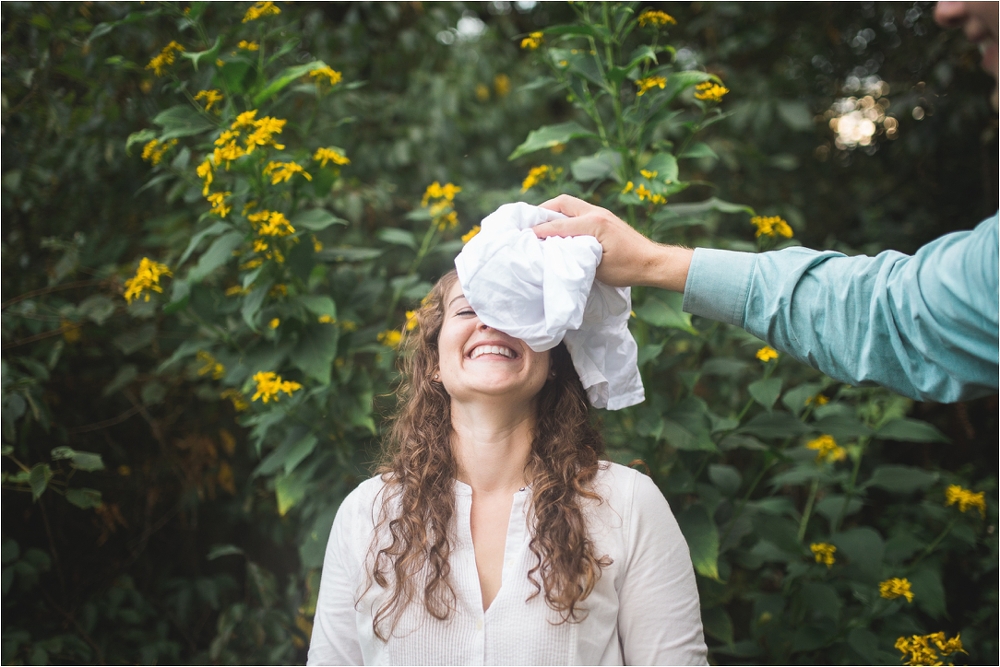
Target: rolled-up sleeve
[[924, 326]]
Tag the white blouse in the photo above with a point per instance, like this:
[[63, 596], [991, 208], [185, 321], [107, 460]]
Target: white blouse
[[644, 610]]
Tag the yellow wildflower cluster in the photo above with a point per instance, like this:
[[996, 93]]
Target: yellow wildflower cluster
[[827, 449], [710, 92], [210, 365], [324, 155], [206, 174], [331, 75], [282, 172], [326, 319], [411, 320], [823, 553], [655, 18], [274, 323], [279, 290], [771, 226], [211, 97], [965, 499], [532, 41], [767, 353], [236, 290], [896, 587], [270, 385], [271, 223], [650, 82], [643, 192], [153, 151], [166, 57], [260, 10], [441, 202], [218, 202], [239, 401], [501, 85], [261, 133], [538, 174], [248, 46], [817, 400], [390, 338], [469, 235], [146, 279], [928, 649]]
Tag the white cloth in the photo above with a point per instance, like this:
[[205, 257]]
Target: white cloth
[[644, 609], [544, 292]]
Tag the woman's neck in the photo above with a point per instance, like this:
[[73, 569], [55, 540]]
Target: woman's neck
[[492, 444]]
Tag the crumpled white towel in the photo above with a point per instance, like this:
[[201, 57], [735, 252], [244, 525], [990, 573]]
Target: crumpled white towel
[[544, 292]]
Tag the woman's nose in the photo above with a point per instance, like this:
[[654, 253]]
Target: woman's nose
[[483, 326]]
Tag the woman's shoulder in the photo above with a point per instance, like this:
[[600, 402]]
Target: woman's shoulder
[[617, 483], [362, 504]]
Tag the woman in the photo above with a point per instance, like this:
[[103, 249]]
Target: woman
[[494, 534]]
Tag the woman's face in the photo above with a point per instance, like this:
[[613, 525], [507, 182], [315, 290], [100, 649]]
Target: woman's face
[[477, 361]]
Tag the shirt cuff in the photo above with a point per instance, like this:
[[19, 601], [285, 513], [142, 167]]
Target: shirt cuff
[[718, 284]]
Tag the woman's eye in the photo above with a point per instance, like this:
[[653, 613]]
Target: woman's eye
[[466, 311]]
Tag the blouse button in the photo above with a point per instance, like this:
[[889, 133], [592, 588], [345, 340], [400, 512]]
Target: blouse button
[[479, 624]]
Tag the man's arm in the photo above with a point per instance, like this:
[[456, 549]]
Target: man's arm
[[924, 326]]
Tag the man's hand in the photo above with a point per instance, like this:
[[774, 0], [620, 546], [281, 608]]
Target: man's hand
[[629, 257]]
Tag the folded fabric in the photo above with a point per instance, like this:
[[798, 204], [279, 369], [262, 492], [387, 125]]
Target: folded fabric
[[544, 292]]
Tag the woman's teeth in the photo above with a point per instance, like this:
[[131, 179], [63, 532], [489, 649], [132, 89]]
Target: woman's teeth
[[492, 349]]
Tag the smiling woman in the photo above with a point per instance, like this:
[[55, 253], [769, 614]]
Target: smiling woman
[[494, 533]]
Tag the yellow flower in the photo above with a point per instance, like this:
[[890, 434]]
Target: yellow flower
[[628, 188], [823, 553], [166, 57], [827, 449], [210, 366], [206, 174], [210, 96], [435, 190], [260, 10], [965, 499], [244, 120], [649, 83], [917, 649], [282, 172], [482, 92], [218, 202], [655, 18], [275, 323], [248, 46], [70, 330], [501, 85], [270, 385], [330, 74], [235, 290], [326, 319], [771, 226], [538, 174], [532, 41], [263, 134], [411, 320], [648, 175], [278, 290], [239, 401], [896, 587], [818, 399], [275, 223], [468, 236], [146, 279], [767, 353], [317, 244], [710, 92], [260, 245], [324, 155], [153, 151], [348, 325], [390, 338], [447, 221]]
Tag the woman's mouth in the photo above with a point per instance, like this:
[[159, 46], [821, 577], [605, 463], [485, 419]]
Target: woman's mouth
[[498, 350]]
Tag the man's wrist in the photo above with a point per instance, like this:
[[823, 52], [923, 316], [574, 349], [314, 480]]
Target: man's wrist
[[669, 269]]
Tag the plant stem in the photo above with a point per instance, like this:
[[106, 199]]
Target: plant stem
[[937, 540], [804, 523], [862, 443]]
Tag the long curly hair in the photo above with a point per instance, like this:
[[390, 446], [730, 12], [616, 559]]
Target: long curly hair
[[418, 468]]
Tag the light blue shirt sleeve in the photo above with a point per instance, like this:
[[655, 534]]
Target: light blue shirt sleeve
[[924, 326]]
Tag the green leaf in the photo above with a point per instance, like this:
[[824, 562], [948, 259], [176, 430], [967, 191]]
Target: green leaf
[[313, 549], [865, 643], [766, 392], [349, 254], [774, 425], [286, 77], [397, 236], [289, 490], [549, 136], [795, 398], [678, 82], [140, 137], [928, 591], [85, 499], [796, 115], [316, 351], [252, 303], [642, 54], [319, 305], [122, 378], [727, 478], [316, 220], [219, 253], [703, 540], [665, 166], [666, 312], [87, 461], [700, 208], [214, 229], [38, 479], [196, 57], [842, 427], [902, 479], [910, 430], [232, 76], [864, 549], [597, 167], [717, 624], [822, 599], [299, 451], [182, 121], [220, 550], [699, 150]]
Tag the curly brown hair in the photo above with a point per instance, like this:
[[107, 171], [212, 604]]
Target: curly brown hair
[[418, 468]]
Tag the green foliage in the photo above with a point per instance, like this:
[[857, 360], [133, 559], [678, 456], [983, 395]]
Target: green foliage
[[204, 383]]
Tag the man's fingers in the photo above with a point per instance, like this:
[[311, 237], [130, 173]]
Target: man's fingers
[[578, 226], [568, 206]]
